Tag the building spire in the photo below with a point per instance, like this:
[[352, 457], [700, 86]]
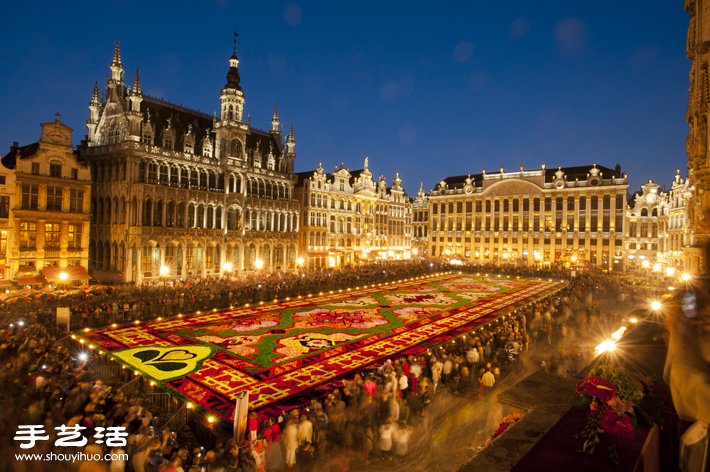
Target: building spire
[[116, 61], [234, 48], [275, 119], [137, 84], [95, 95]]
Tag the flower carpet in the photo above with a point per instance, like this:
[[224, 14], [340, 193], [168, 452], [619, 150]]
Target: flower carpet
[[284, 352]]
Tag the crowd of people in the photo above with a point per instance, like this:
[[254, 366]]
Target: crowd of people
[[372, 416]]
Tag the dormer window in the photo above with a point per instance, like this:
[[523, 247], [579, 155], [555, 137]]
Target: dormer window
[[169, 138], [147, 135], [55, 169]]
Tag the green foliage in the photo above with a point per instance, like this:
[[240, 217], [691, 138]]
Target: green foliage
[[627, 387]]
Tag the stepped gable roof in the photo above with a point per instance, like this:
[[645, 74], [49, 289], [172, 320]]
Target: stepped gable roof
[[26, 151]]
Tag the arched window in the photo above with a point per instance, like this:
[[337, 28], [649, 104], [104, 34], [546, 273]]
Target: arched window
[[147, 212]]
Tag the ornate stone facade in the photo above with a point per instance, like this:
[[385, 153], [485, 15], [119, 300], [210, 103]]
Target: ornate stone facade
[[569, 216], [646, 235], [420, 223], [45, 235], [678, 233], [348, 218], [698, 50], [178, 193]]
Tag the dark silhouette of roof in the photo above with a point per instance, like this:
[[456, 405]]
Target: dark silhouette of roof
[[23, 152]]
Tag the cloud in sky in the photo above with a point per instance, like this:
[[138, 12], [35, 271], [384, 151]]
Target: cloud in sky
[[644, 56], [519, 29], [463, 51], [391, 90], [570, 35], [407, 134], [478, 81], [277, 63], [293, 14]]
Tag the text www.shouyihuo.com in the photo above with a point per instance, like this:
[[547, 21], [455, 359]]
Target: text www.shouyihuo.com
[[73, 457]]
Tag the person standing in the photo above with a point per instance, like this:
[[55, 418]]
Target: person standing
[[488, 380], [290, 442]]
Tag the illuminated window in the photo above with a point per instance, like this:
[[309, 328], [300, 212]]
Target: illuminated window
[[51, 236], [75, 233], [28, 235]]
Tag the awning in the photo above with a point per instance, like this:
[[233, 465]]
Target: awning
[[53, 274], [30, 280]]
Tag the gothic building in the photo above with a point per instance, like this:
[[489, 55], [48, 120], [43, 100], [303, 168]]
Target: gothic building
[[544, 217], [420, 223], [178, 193], [698, 51], [44, 210], [349, 218]]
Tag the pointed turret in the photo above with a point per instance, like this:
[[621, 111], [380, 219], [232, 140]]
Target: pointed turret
[[94, 112], [290, 142], [134, 116], [275, 119], [137, 85], [116, 64]]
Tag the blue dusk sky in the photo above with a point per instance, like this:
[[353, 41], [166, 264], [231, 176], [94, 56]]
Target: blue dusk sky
[[427, 89]]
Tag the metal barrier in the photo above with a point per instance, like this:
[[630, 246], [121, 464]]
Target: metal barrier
[[178, 420]]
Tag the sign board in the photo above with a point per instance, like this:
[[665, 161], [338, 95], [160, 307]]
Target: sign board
[[64, 318]]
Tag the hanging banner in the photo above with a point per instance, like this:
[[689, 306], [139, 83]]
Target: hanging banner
[[240, 416]]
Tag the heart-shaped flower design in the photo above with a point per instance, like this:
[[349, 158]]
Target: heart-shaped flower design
[[166, 363]]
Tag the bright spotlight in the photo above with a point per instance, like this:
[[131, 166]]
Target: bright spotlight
[[655, 305], [670, 271], [633, 320], [605, 346], [616, 335], [63, 276], [83, 357], [20, 323], [656, 267], [300, 261], [645, 264], [685, 277], [164, 270], [228, 266], [259, 264]]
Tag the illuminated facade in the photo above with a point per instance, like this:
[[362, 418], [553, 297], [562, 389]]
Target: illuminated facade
[[420, 224], [348, 218], [698, 206], [646, 237], [45, 233], [178, 193], [571, 216], [678, 232]]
